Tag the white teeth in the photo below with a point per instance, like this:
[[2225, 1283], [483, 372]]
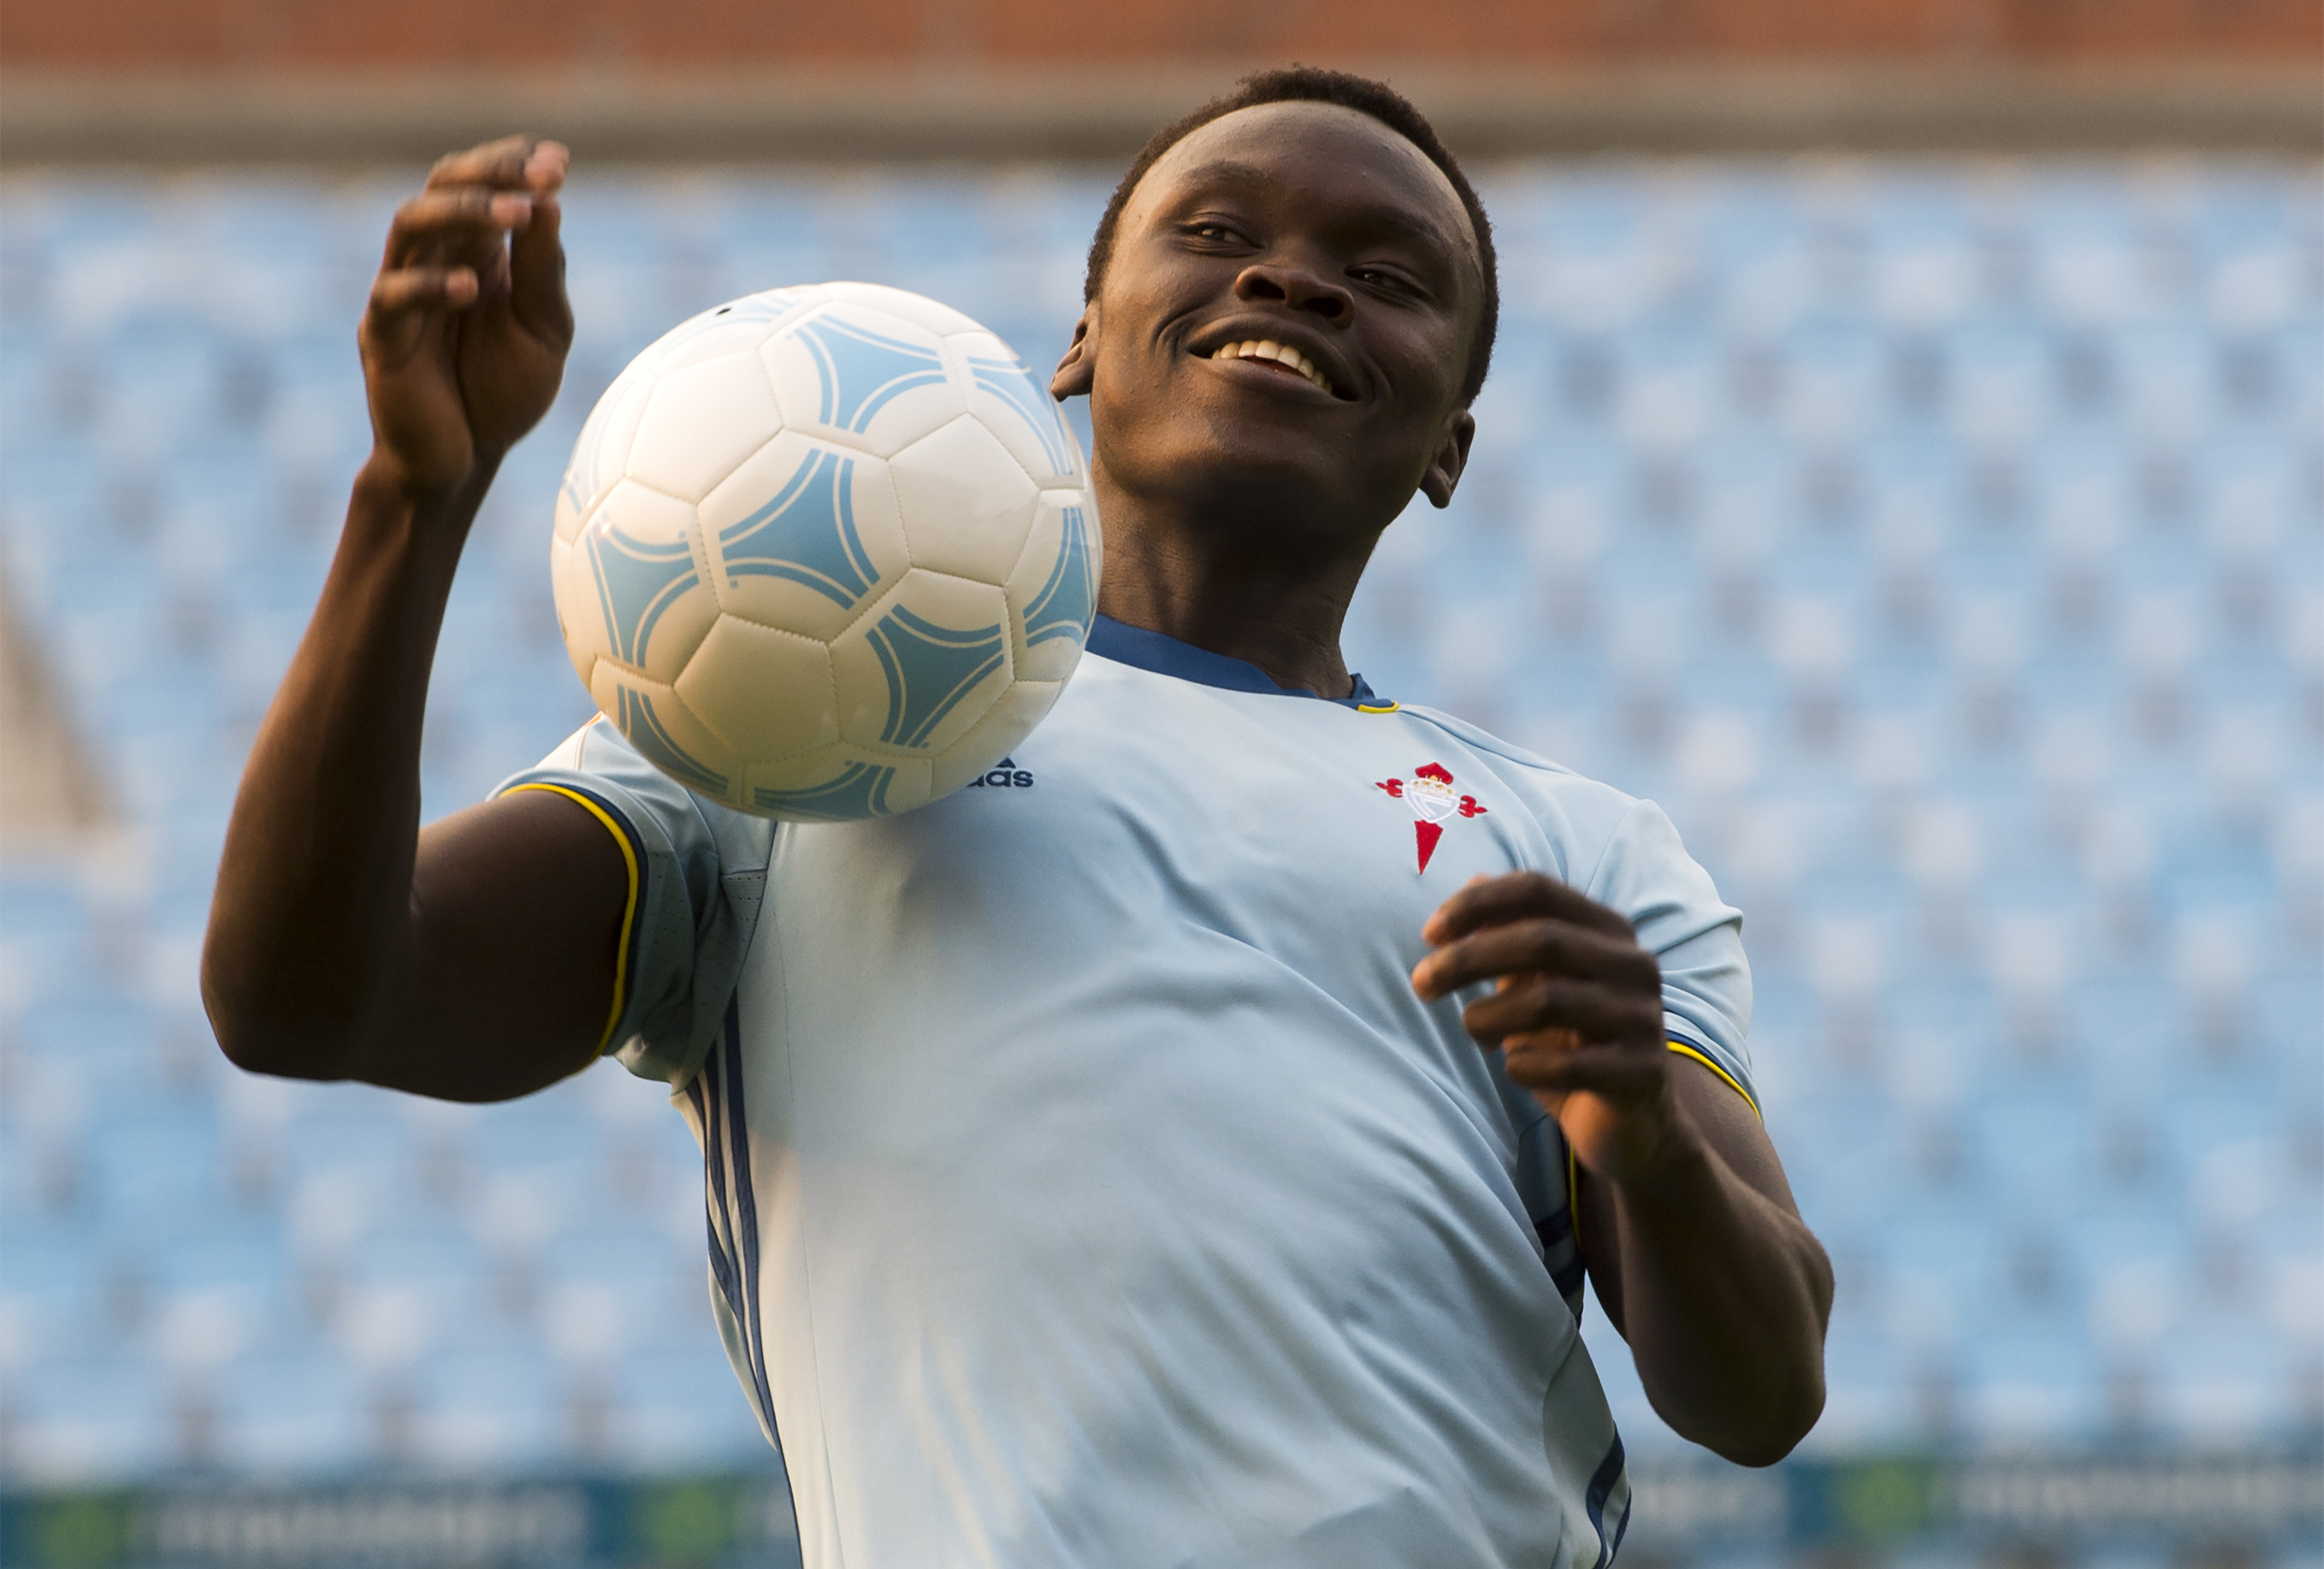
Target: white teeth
[[1280, 352]]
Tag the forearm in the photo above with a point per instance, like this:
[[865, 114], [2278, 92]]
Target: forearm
[[310, 925], [1724, 1298]]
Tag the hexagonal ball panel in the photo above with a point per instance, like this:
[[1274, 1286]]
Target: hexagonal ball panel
[[738, 327], [838, 785], [1001, 731], [1054, 587], [665, 732], [861, 377], [701, 423], [631, 588], [803, 536], [922, 665], [918, 310], [602, 452], [967, 504], [579, 621], [768, 694], [1015, 405]]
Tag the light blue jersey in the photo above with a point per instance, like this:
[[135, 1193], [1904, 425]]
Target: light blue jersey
[[1087, 1185]]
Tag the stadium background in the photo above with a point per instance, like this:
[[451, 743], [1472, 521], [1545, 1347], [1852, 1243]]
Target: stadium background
[[1904, 460]]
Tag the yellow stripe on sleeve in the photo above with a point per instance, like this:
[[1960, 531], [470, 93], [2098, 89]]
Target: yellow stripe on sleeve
[[629, 908], [1728, 1079]]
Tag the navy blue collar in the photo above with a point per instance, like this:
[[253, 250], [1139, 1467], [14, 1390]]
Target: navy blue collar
[[1167, 656]]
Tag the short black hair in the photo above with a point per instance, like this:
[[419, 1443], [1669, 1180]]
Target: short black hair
[[1312, 84]]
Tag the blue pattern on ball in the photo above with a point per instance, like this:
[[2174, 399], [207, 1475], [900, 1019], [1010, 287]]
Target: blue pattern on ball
[[636, 583], [929, 669], [806, 534], [860, 791], [1069, 600], [637, 720], [1013, 385], [862, 371]]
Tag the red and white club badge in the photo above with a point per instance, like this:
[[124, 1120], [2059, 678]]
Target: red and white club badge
[[1429, 793]]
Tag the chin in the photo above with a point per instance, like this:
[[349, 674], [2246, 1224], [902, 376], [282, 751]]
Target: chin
[[1269, 482]]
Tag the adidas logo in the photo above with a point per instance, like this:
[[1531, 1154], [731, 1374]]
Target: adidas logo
[[1005, 775]]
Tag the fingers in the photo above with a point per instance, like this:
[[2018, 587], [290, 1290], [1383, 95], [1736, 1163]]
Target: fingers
[[1543, 943], [1595, 1013], [1552, 1062], [407, 289], [511, 163], [1492, 901], [537, 276], [467, 224]]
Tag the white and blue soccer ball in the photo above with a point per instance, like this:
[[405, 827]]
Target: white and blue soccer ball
[[826, 553]]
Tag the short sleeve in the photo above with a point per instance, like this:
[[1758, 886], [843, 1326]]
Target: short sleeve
[[1646, 874], [698, 872]]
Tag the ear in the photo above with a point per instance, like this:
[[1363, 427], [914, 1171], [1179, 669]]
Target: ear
[[1451, 458], [1078, 369]]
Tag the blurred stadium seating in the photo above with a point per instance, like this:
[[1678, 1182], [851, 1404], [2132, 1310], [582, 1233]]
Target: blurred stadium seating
[[1942, 543]]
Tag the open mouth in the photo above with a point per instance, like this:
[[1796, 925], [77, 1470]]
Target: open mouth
[[1282, 357]]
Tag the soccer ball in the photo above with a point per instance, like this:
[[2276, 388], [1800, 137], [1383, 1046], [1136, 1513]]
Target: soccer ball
[[826, 553]]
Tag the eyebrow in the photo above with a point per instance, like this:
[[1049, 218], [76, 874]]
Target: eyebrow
[[1392, 220]]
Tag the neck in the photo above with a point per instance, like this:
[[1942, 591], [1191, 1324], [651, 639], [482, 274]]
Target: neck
[[1278, 609]]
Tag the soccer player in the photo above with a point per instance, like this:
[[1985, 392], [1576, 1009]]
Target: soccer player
[[1189, 1154]]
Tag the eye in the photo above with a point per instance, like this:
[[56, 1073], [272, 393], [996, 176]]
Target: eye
[[1388, 281], [1213, 231]]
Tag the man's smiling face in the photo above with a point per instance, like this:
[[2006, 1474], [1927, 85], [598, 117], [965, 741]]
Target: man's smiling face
[[1283, 327]]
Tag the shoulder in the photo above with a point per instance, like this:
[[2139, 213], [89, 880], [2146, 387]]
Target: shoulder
[[598, 761], [1576, 808]]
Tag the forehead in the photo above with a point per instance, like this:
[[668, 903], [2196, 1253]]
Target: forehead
[[1340, 158]]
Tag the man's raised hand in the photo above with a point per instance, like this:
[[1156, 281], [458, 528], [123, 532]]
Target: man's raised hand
[[465, 339], [1576, 1009]]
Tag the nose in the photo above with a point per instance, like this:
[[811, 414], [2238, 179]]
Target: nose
[[1286, 283]]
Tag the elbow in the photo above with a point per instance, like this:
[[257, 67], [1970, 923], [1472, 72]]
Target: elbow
[[1779, 1428], [259, 1035]]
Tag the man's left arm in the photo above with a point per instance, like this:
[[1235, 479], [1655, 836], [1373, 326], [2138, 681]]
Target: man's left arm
[[1686, 1223]]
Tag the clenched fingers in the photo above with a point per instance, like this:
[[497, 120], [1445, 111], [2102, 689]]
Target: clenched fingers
[[1541, 944], [1551, 1062], [1516, 896], [1598, 1014], [422, 288]]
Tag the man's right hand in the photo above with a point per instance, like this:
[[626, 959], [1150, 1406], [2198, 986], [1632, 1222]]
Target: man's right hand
[[465, 339]]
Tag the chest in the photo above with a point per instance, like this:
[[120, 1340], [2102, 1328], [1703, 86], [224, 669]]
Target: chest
[[1319, 836]]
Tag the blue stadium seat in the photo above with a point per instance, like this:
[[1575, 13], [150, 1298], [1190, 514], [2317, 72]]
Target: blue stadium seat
[[610, 1282], [2223, 1380], [2030, 1383], [154, 1172], [677, 1407], [221, 1287], [2041, 1153], [53, 1294], [500, 1406], [412, 1283], [1869, 1402], [293, 1408], [101, 1417]]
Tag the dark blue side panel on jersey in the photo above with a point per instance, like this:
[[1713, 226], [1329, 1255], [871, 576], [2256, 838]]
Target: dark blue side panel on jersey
[[713, 1164], [1601, 1488], [1568, 1273], [717, 1092]]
